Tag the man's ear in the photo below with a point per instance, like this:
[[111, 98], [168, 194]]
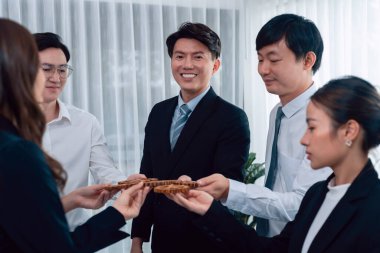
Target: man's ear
[[216, 66], [309, 60]]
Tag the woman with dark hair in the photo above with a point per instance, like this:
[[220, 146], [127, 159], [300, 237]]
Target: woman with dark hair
[[340, 214], [31, 212]]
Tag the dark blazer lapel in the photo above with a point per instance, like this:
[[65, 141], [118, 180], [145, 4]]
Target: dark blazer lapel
[[202, 111], [166, 122], [305, 219], [345, 209]]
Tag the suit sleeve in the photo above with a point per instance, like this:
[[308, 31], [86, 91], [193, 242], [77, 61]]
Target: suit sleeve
[[234, 236], [32, 214], [233, 146], [141, 225], [238, 237]]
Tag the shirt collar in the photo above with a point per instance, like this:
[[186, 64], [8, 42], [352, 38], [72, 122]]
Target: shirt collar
[[194, 102], [299, 102], [63, 111]]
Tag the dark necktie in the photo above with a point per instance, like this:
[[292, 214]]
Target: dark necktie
[[184, 111], [262, 224]]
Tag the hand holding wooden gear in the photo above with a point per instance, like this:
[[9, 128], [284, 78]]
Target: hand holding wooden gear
[[159, 186]]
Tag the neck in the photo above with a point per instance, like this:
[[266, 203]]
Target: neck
[[301, 89], [50, 110], [187, 96], [349, 169]]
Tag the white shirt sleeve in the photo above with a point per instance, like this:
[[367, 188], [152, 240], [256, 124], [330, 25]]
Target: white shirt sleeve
[[262, 202], [101, 164]]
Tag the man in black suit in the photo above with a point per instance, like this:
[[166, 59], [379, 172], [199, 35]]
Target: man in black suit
[[196, 133]]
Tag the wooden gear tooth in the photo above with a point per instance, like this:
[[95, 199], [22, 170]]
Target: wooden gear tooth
[[172, 188], [164, 186]]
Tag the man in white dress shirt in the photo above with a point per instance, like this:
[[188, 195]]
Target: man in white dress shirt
[[289, 49], [72, 136]]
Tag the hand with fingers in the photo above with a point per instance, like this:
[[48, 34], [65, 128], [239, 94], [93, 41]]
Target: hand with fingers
[[195, 201], [90, 197], [216, 185], [130, 200]]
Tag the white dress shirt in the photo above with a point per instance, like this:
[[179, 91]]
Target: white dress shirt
[[294, 174], [76, 140], [333, 196]]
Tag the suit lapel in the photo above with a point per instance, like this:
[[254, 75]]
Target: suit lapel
[[336, 221], [344, 210], [201, 112], [167, 123], [305, 219]]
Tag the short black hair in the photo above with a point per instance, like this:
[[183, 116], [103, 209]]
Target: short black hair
[[301, 36], [199, 32], [49, 40]]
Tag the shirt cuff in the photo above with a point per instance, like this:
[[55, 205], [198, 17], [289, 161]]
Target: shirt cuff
[[236, 194]]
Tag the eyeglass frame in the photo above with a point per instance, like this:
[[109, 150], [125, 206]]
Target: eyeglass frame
[[56, 68]]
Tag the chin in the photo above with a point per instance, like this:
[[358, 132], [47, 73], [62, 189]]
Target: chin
[[317, 166]]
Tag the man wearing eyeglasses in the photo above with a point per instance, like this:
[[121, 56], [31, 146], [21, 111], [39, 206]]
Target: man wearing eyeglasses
[[72, 136]]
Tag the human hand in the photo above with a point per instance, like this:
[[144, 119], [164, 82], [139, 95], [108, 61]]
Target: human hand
[[90, 197], [184, 178], [136, 176], [195, 201], [130, 200], [216, 185]]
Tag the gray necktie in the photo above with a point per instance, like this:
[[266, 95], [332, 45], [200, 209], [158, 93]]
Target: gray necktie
[[262, 224], [184, 111]]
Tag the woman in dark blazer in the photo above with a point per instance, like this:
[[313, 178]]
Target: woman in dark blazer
[[31, 212], [340, 214]]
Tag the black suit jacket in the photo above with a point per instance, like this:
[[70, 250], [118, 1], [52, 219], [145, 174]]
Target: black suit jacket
[[215, 139], [31, 214], [352, 226]]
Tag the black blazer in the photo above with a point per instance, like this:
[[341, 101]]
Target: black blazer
[[31, 214], [353, 225], [215, 139]]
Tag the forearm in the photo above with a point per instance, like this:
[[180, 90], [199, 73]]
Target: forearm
[[69, 202], [229, 234], [259, 201]]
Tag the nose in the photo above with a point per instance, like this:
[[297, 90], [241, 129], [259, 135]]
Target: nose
[[305, 138], [55, 76], [188, 63], [263, 68]]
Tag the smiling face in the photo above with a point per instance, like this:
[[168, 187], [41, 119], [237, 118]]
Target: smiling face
[[282, 73], [192, 67], [54, 84], [324, 144]]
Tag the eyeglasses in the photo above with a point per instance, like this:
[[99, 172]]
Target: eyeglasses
[[64, 71]]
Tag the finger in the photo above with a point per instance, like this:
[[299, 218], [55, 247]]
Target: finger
[[98, 187], [184, 178], [146, 190], [181, 200], [204, 181], [136, 176], [210, 179], [133, 189]]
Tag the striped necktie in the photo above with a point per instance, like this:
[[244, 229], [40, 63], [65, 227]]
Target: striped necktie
[[184, 112]]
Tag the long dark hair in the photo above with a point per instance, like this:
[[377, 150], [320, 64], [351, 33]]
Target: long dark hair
[[19, 65], [352, 98]]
